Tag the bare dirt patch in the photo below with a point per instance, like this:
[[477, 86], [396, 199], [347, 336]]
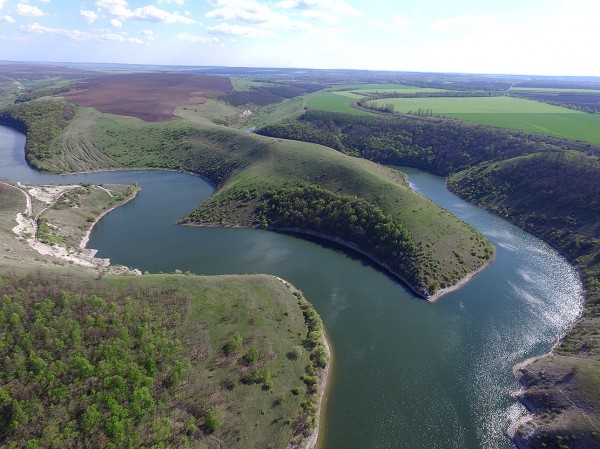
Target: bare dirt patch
[[152, 97]]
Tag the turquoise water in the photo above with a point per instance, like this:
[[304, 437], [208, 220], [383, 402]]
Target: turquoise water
[[407, 373]]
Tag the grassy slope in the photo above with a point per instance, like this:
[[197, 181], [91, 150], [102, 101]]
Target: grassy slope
[[241, 161], [508, 112], [554, 195], [259, 308]]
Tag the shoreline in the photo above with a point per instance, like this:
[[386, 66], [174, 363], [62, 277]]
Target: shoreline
[[430, 298], [26, 231], [86, 237], [312, 442], [460, 284]]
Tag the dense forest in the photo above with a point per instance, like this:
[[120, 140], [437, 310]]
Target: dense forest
[[440, 145], [351, 219], [81, 369], [42, 121]]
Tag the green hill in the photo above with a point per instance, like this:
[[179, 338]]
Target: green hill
[[248, 168]]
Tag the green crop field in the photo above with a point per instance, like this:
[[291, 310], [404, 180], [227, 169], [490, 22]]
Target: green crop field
[[371, 86], [372, 89], [508, 112], [553, 90], [405, 90], [334, 102]]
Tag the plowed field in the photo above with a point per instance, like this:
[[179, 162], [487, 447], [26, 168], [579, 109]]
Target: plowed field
[[152, 97]]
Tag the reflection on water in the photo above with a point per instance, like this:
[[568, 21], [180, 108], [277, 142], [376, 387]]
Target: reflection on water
[[408, 374]]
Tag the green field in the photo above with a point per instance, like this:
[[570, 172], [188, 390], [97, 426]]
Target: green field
[[407, 90], [372, 86], [334, 102], [508, 112], [553, 89]]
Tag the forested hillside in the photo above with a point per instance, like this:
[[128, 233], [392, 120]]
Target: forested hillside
[[42, 121], [440, 145]]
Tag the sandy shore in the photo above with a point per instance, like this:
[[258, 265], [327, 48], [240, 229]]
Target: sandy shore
[[312, 440], [86, 237], [26, 231], [444, 291]]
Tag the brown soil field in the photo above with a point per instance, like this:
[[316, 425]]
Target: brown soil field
[[152, 97]]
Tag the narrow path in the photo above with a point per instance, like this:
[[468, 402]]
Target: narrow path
[[28, 209], [106, 190]]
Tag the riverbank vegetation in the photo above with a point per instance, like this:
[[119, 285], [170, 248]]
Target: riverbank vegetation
[[555, 196]]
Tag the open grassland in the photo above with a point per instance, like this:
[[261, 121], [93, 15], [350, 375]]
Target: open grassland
[[334, 102], [506, 112], [246, 167]]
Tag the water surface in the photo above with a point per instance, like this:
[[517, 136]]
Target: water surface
[[408, 374]]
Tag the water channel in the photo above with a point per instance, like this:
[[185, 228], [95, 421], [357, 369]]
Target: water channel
[[407, 373]]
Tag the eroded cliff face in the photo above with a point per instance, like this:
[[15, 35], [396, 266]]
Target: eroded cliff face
[[562, 395]]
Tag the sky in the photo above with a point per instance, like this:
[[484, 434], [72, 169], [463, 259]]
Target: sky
[[535, 37]]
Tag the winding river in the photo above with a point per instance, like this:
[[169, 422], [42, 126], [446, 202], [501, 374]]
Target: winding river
[[407, 373]]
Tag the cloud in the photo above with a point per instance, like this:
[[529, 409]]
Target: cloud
[[252, 14], [149, 34], [116, 23], [400, 22], [13, 38], [453, 23], [120, 10], [329, 11], [28, 10], [237, 30], [396, 23], [79, 35], [7, 19], [89, 16], [197, 39], [245, 11], [153, 14], [177, 2], [1, 4]]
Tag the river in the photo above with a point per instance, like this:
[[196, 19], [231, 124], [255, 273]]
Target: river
[[407, 373]]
